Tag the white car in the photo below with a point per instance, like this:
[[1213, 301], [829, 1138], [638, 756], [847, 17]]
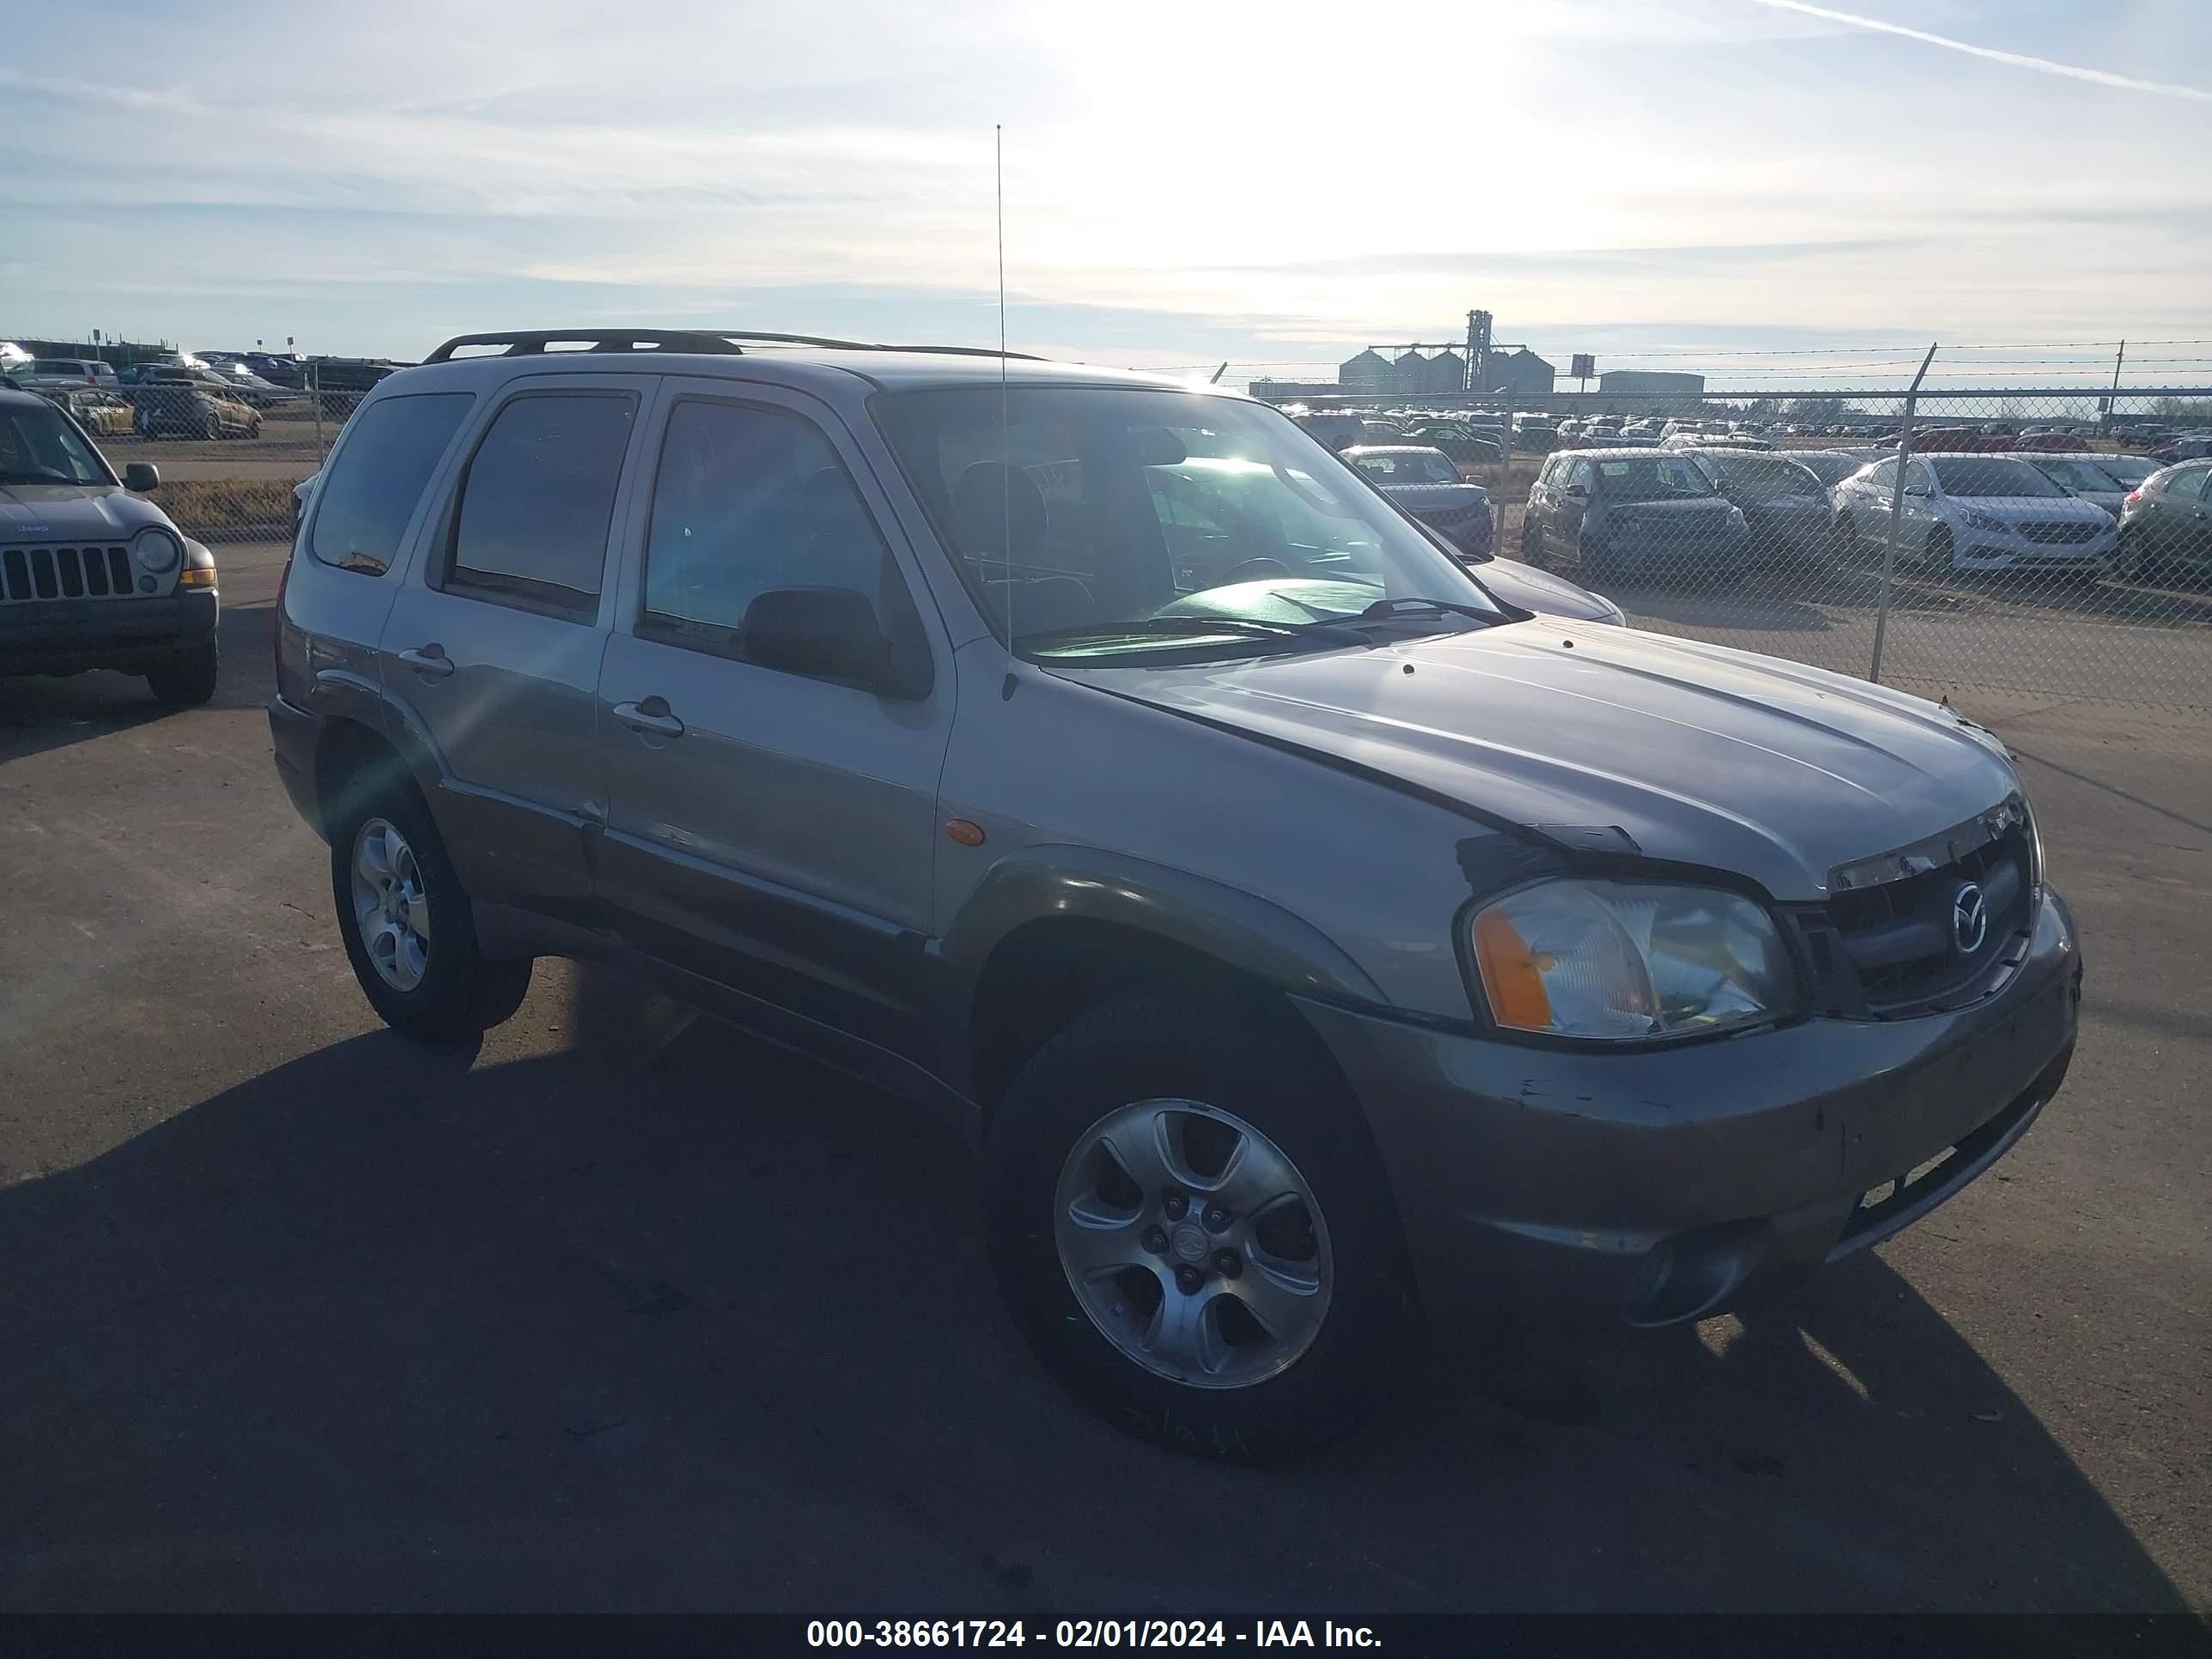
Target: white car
[[1970, 511]]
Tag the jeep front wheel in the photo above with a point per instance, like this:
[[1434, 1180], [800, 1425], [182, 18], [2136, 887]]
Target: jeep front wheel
[[1194, 1232]]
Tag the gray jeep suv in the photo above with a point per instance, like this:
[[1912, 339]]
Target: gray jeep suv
[[92, 576], [1321, 951]]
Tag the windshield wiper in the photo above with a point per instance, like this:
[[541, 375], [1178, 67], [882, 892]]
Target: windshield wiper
[[1414, 609], [1327, 632], [35, 475]]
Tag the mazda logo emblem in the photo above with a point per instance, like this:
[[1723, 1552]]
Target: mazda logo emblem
[[1969, 919]]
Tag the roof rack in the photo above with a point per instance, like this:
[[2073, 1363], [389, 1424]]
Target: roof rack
[[874, 345], [718, 341], [531, 343]]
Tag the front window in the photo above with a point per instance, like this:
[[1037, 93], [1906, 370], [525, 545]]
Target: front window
[[38, 446], [1990, 475], [1829, 469], [1404, 466], [2076, 475], [1761, 479], [1652, 478], [1092, 522]]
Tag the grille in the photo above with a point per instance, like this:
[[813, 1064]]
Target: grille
[[1899, 934], [2043, 531], [30, 574]]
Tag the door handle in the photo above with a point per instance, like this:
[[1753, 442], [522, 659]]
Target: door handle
[[651, 715], [430, 661]]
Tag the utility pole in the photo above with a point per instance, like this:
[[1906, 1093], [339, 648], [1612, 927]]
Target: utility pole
[[2112, 401]]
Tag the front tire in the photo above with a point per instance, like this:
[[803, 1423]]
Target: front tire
[[188, 678], [1532, 545], [406, 922], [1941, 553], [1193, 1229]]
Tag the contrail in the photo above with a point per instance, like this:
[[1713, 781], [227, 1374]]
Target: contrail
[[2017, 59]]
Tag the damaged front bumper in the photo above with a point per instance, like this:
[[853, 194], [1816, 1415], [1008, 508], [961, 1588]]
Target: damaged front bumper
[[1666, 1185]]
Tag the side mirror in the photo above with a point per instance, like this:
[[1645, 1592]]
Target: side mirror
[[830, 634], [142, 477], [1576, 492]]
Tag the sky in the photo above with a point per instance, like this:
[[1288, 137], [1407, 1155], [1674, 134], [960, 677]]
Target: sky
[[1663, 183]]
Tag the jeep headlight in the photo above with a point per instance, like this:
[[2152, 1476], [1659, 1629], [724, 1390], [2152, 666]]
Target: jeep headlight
[[156, 549], [1620, 961]]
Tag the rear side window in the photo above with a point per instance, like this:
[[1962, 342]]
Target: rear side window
[[537, 500], [363, 507], [2189, 482]]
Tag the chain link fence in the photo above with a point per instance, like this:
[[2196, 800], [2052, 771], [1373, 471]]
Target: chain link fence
[[2054, 542]]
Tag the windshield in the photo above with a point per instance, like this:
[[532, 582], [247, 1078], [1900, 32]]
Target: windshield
[[1109, 520], [1990, 475], [1829, 469], [2127, 470], [2077, 474], [37, 445], [1652, 478], [1408, 466], [1765, 478]]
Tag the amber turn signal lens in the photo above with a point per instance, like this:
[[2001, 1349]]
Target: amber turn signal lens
[[1509, 975], [967, 833], [194, 576]]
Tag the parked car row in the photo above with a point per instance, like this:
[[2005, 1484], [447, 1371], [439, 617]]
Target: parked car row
[[1712, 513]]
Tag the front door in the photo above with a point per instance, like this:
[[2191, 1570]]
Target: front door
[[772, 832], [492, 647]]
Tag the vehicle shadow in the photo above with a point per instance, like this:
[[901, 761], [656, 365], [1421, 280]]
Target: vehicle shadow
[[39, 712], [676, 1320]]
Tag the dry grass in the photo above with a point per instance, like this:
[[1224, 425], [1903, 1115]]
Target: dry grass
[[229, 509]]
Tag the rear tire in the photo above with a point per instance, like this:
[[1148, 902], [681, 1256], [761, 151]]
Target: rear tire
[[188, 678], [1242, 1071], [452, 991]]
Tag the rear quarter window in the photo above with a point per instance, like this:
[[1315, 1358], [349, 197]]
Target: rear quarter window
[[362, 509]]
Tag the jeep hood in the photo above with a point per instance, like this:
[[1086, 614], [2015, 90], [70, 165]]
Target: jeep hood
[[60, 512], [1701, 755]]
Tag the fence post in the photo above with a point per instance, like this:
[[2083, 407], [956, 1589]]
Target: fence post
[[1896, 514]]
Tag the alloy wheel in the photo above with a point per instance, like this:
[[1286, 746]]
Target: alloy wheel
[[390, 908], [1192, 1243]]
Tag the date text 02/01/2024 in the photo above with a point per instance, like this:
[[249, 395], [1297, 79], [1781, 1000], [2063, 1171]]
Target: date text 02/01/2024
[[1084, 1633]]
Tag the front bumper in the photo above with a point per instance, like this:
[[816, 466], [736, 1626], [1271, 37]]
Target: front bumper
[[1668, 1185], [62, 636]]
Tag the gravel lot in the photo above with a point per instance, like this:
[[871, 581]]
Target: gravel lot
[[625, 1311]]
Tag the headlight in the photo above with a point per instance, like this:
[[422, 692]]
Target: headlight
[[156, 549], [1982, 521], [1617, 961]]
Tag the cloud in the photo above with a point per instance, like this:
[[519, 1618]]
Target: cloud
[[2016, 59]]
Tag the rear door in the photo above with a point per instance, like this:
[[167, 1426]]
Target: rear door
[[491, 653], [772, 832]]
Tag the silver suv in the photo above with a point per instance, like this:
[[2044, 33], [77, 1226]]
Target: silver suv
[[1321, 951]]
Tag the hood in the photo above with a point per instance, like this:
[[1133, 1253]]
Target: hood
[[1531, 589], [2033, 509], [61, 512], [1703, 755], [1416, 498]]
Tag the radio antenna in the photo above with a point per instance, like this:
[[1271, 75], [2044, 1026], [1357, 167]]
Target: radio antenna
[[1006, 458]]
